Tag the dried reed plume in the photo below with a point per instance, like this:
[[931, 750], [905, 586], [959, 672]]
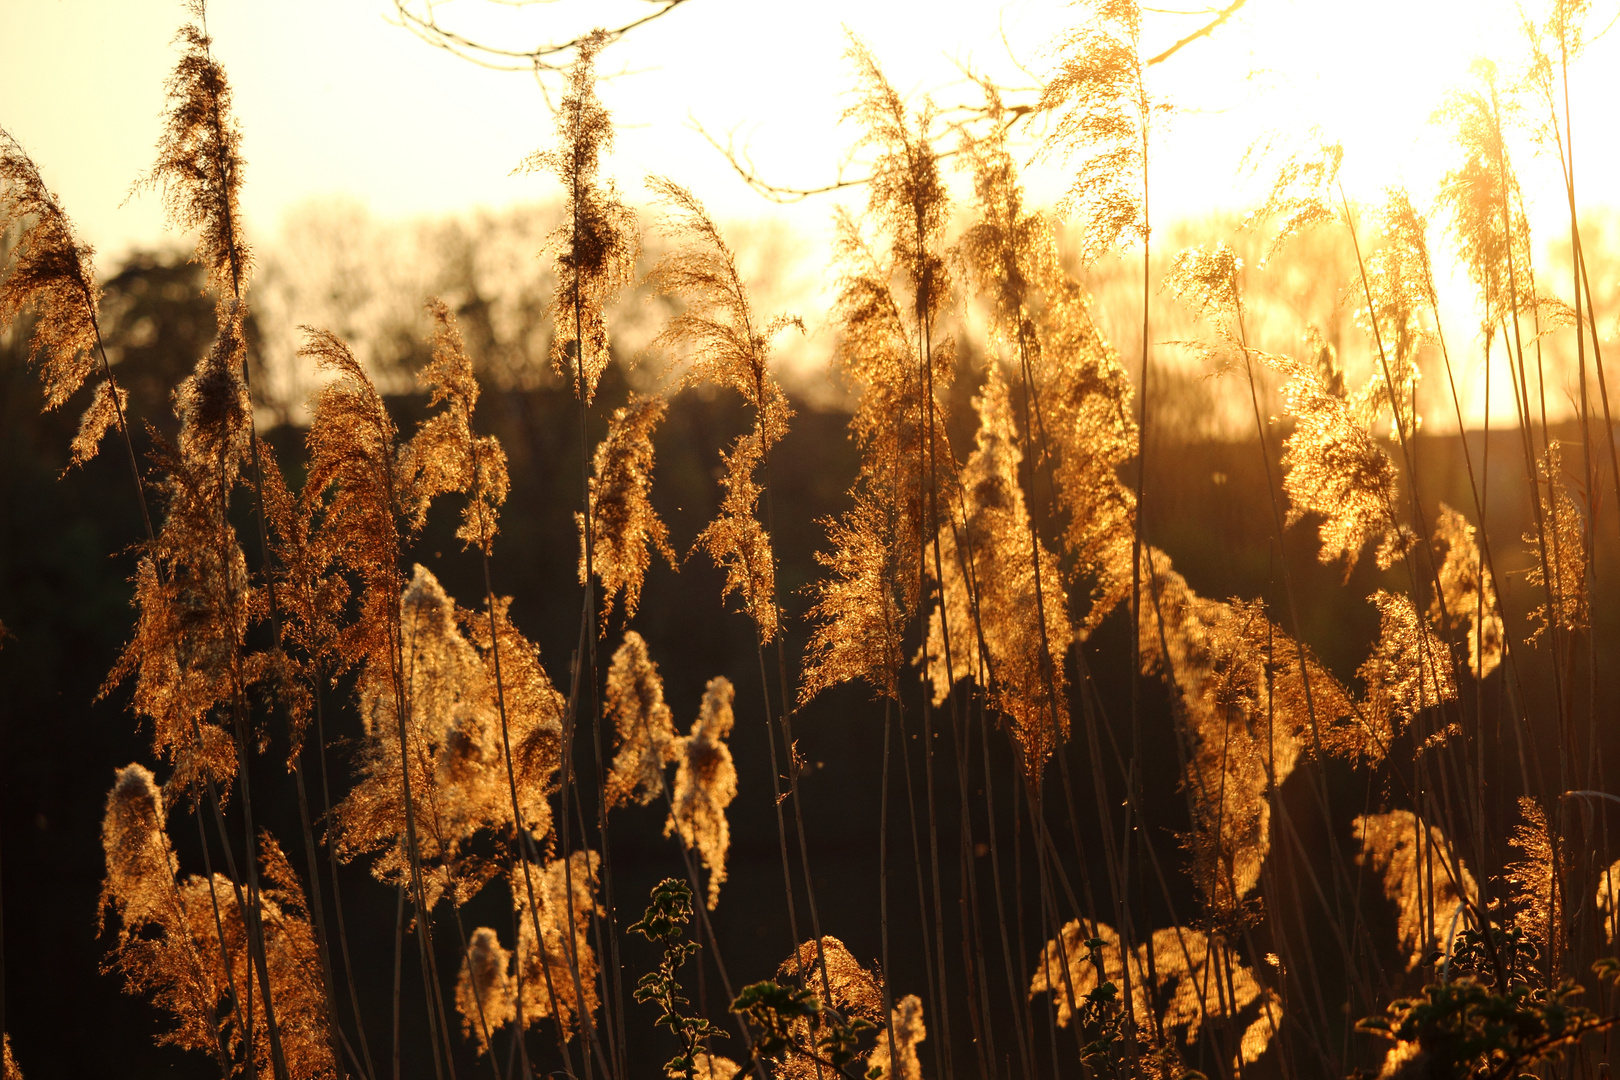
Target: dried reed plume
[[1334, 464], [1535, 879], [485, 995], [1408, 671], [907, 195], [597, 244], [1421, 873], [193, 597], [625, 527], [1482, 195], [1560, 550], [1301, 195], [534, 714], [705, 784], [850, 993], [990, 587], [1087, 417], [717, 330], [453, 745], [647, 740], [1198, 977], [199, 165], [906, 1022], [53, 274], [445, 456], [1100, 98], [857, 614], [1076, 394], [1468, 593], [907, 468], [563, 962], [185, 942], [1245, 720]]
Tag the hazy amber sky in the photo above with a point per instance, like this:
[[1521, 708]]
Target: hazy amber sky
[[335, 100]]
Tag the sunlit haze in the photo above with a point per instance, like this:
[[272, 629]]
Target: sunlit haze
[[337, 100]]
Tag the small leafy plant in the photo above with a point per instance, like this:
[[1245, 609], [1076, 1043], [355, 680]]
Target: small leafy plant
[[665, 923]]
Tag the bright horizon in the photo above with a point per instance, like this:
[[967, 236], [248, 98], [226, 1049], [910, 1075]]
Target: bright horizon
[[338, 104]]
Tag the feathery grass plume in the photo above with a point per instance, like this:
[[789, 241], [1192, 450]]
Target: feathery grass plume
[[855, 992], [351, 444], [851, 1001], [597, 245], [1608, 901], [1087, 413], [444, 455], [141, 864], [859, 609], [199, 165], [625, 527], [53, 273], [194, 600], [534, 718], [8, 1064], [295, 969], [707, 1066], [705, 784], [1301, 195], [737, 541], [906, 193], [884, 342], [1401, 283], [1207, 281], [1421, 875], [485, 995], [458, 780], [1244, 718], [1004, 247], [898, 424], [166, 944], [291, 962], [875, 356], [1080, 393], [857, 615], [646, 727], [1565, 554], [1103, 112], [1209, 984], [312, 595], [717, 331], [1334, 465], [1198, 978], [1535, 880], [1069, 966], [906, 1021], [990, 586], [1409, 669], [1482, 194], [1469, 593], [172, 933], [1554, 44], [564, 923]]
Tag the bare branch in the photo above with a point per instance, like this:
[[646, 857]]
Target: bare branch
[[421, 19], [742, 163], [1203, 31]]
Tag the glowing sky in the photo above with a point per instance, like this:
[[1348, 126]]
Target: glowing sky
[[335, 99]]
